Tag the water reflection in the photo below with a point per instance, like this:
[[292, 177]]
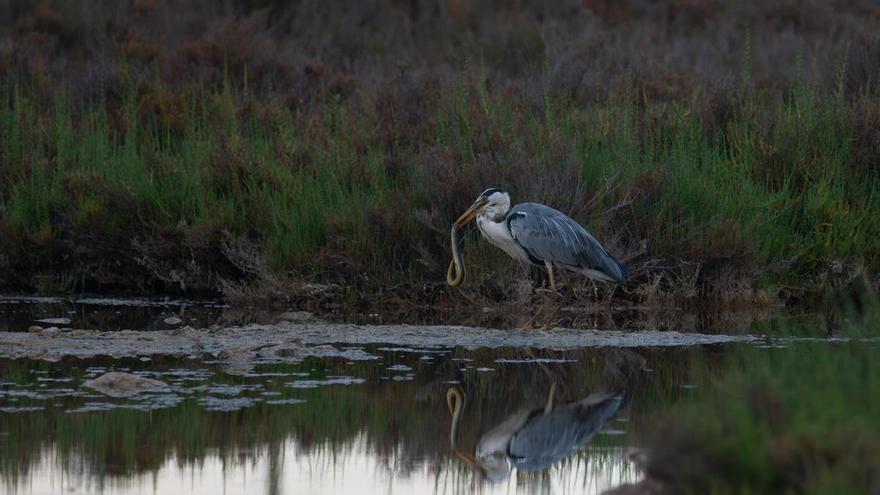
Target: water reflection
[[533, 439], [292, 469], [353, 429], [19, 313]]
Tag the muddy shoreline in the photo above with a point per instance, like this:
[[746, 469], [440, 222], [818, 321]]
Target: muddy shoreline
[[295, 341]]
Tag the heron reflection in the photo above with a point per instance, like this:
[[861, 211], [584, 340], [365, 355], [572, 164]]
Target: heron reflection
[[533, 438]]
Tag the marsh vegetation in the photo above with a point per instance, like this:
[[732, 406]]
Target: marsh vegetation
[[144, 152], [313, 155]]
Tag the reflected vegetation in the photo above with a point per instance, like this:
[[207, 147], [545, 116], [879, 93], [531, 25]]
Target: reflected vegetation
[[328, 423]]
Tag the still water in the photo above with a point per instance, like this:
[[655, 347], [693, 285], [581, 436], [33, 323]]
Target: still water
[[379, 425]]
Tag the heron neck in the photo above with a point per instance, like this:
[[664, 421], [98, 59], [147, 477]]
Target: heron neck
[[494, 214]]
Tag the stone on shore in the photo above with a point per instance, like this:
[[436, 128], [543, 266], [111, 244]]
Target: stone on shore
[[119, 384]]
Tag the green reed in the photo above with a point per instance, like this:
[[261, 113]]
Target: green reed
[[778, 183]]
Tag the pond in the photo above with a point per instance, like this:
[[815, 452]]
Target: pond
[[324, 425], [373, 411]]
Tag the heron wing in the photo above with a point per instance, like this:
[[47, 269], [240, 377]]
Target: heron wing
[[497, 439], [547, 438], [547, 234]]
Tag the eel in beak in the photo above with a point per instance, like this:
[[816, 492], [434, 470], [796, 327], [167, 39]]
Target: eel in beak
[[455, 273]]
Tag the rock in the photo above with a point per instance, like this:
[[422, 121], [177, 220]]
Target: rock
[[295, 316], [51, 332], [287, 349], [172, 320], [35, 329], [54, 321], [237, 361], [119, 384], [184, 330]]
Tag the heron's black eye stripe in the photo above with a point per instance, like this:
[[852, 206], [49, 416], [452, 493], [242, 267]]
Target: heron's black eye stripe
[[489, 192]]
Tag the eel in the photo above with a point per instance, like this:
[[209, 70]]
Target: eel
[[455, 273]]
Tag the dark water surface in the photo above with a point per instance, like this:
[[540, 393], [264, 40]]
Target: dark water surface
[[18, 313], [378, 424], [326, 425]]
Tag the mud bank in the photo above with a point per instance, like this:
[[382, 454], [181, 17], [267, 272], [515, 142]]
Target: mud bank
[[295, 341]]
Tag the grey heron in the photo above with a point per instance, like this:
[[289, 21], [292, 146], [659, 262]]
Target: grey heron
[[535, 234], [534, 438]]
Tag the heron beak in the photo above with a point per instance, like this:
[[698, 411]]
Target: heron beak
[[471, 212]]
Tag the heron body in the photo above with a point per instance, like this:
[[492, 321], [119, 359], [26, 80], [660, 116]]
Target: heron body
[[537, 234], [499, 235]]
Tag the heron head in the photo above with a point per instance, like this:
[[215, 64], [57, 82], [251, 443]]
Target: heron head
[[497, 466], [492, 202], [494, 467]]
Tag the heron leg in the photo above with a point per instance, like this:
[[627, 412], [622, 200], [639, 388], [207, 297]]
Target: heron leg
[[552, 300], [549, 407], [529, 325], [552, 314], [566, 282], [550, 272]]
